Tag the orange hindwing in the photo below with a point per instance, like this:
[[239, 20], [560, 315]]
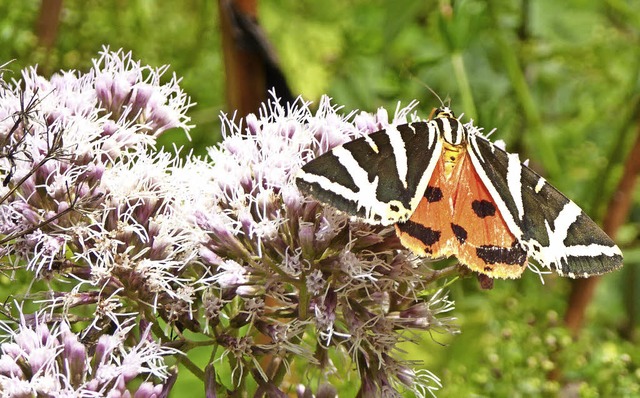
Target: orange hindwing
[[458, 217]]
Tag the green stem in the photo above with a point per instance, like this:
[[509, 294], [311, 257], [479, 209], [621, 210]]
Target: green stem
[[280, 372], [463, 85], [452, 270], [303, 302], [520, 87], [199, 373]]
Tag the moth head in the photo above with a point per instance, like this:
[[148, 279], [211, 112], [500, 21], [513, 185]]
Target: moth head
[[444, 112], [452, 130]]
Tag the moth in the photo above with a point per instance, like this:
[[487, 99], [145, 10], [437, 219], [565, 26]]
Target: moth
[[450, 191]]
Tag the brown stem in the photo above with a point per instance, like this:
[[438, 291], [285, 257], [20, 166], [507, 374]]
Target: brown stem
[[48, 21], [243, 66], [47, 25], [251, 64]]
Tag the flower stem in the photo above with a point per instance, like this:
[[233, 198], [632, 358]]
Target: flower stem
[[463, 85]]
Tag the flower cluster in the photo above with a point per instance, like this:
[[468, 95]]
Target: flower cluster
[[85, 201], [280, 260], [44, 361], [280, 286]]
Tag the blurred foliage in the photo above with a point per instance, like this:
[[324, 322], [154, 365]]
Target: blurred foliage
[[513, 344], [560, 79]]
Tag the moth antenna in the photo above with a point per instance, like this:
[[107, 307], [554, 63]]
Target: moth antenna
[[448, 101], [443, 104]]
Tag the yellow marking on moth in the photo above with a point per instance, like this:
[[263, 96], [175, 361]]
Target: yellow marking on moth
[[451, 155]]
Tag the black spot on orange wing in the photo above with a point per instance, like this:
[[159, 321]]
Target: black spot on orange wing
[[490, 247], [445, 223], [428, 230], [424, 234], [459, 232], [483, 208], [514, 255], [433, 194]]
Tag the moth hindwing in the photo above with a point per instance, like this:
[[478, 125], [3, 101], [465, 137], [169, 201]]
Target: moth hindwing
[[449, 191]]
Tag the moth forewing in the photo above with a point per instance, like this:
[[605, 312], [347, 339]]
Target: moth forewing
[[380, 178], [555, 231]]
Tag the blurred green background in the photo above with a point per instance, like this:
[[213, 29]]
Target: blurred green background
[[559, 80]]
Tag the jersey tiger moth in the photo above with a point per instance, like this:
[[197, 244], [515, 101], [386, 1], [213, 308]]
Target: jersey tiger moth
[[452, 192]]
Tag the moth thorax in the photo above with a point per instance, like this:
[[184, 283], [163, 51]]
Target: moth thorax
[[451, 155], [451, 130]]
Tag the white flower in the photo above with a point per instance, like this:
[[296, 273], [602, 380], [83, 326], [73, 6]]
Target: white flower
[[229, 274]]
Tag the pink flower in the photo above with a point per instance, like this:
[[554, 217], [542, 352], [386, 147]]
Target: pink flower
[[224, 248]]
